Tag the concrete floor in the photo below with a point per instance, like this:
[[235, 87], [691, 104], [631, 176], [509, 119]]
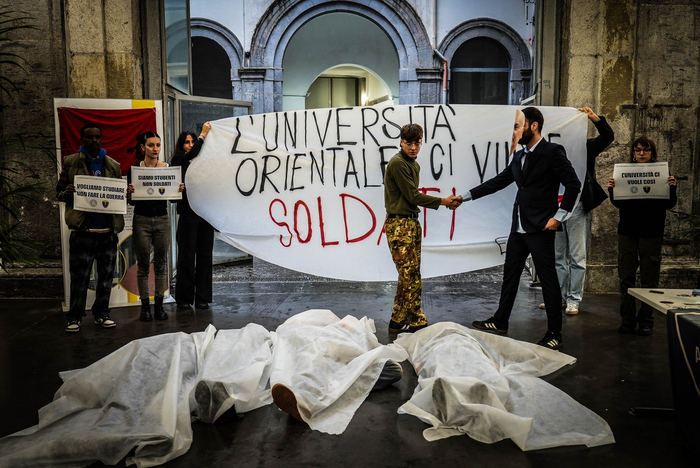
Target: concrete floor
[[613, 373]]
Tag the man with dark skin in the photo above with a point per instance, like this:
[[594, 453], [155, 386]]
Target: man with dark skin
[[93, 236]]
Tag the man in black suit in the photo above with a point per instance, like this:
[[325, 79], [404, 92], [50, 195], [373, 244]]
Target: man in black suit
[[537, 169]]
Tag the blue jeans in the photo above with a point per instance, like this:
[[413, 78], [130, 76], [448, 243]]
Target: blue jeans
[[570, 250]]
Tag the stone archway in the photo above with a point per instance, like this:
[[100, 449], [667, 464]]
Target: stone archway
[[517, 49], [419, 79], [206, 28]]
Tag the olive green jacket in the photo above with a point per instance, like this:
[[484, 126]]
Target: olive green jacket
[[74, 165], [401, 180]]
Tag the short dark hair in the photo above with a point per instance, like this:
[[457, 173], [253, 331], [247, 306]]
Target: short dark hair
[[533, 114], [646, 142], [411, 133], [89, 125]]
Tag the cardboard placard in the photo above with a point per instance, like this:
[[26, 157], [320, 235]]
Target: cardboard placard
[[100, 195], [648, 180], [156, 183]]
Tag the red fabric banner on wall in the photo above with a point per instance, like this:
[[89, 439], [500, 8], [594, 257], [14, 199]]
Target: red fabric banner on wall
[[119, 130]]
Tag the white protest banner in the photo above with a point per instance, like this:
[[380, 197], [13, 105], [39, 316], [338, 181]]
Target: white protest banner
[[304, 189], [648, 180], [156, 183], [99, 195]]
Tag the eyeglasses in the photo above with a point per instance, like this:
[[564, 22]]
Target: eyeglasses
[[416, 144], [642, 150]]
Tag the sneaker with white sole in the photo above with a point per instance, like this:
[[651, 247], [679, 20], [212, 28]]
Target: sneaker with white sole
[[105, 322], [542, 306], [490, 325], [571, 308], [73, 326], [395, 327], [551, 340]]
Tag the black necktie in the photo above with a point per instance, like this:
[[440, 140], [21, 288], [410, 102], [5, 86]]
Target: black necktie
[[526, 155]]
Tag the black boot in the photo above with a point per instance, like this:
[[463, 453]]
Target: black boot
[[145, 311], [158, 309]]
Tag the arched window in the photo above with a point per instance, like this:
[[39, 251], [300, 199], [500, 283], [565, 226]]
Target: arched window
[[211, 69], [480, 72]]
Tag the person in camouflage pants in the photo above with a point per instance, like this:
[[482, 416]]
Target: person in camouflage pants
[[403, 230], [404, 238]]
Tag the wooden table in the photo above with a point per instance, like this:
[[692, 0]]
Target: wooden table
[[666, 299]]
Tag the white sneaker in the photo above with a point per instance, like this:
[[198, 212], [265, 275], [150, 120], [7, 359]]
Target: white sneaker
[[542, 306], [571, 308]]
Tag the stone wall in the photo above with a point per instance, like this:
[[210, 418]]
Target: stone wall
[[637, 63], [81, 49]]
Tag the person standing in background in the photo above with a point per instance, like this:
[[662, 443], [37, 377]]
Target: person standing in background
[[93, 236], [572, 242], [195, 236], [151, 227], [640, 234]]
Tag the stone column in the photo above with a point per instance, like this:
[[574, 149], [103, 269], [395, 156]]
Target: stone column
[[103, 41], [638, 65]]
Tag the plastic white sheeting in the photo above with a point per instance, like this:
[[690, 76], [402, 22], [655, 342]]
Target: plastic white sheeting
[[140, 396], [234, 369], [146, 393], [487, 386], [330, 364]]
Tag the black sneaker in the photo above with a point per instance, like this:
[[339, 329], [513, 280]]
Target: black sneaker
[[490, 325], [551, 340], [644, 330], [181, 305], [105, 322], [395, 327], [201, 306], [73, 326], [625, 330]]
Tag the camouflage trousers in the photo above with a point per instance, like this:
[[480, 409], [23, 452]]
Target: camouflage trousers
[[404, 236]]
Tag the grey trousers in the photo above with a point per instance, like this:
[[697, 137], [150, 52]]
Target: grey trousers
[[151, 231], [391, 373]]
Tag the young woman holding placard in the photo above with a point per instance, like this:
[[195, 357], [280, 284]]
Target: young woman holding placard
[[640, 234], [151, 227]]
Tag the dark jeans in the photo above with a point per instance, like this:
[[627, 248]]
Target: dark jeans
[[645, 253], [541, 246], [391, 373], [151, 231], [195, 242], [86, 248]]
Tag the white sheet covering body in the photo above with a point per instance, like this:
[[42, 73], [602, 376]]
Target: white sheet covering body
[[140, 396], [330, 364], [233, 370], [487, 386]]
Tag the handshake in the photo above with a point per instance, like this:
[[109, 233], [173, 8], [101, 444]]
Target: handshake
[[452, 202]]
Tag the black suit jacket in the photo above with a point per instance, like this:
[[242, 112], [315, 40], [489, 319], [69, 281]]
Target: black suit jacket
[[592, 195], [538, 188]]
